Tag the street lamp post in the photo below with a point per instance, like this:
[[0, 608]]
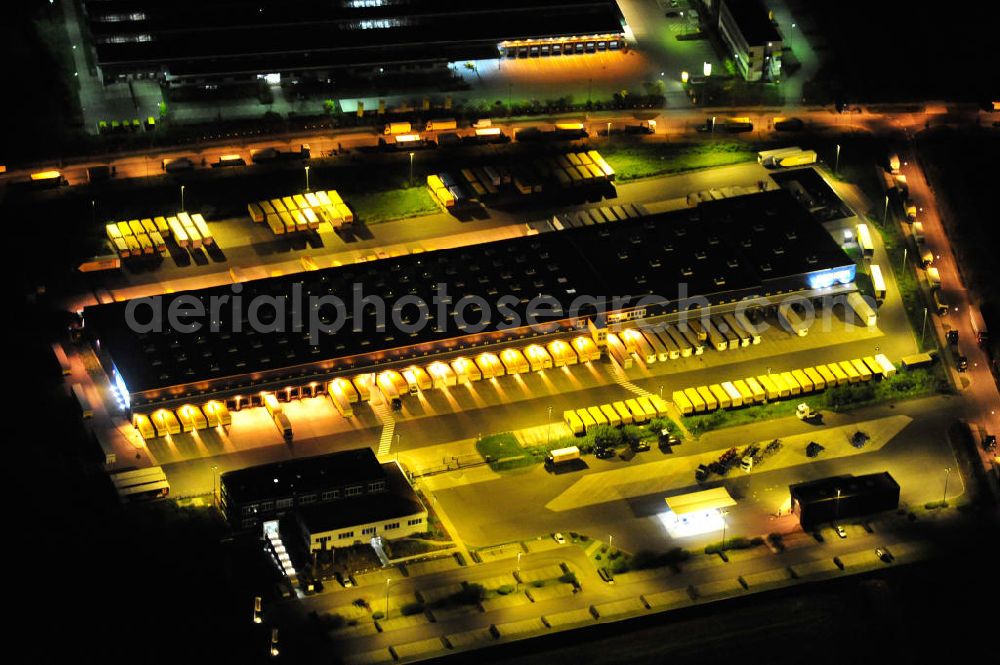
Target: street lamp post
[[182, 198], [307, 178], [215, 495], [548, 428], [836, 163], [723, 514], [904, 257], [411, 169], [661, 392], [947, 473], [609, 132], [836, 508], [885, 211], [387, 597], [611, 539], [923, 328]]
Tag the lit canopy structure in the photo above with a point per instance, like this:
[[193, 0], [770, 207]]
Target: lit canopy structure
[[696, 513]]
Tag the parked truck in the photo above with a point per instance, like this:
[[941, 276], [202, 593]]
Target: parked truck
[[791, 320], [441, 125], [862, 308], [788, 160], [562, 455], [397, 128], [978, 325]]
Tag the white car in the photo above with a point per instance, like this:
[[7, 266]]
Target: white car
[[841, 531], [559, 538], [804, 412]]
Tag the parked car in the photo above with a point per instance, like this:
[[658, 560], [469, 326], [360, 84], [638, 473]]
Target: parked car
[[884, 555], [841, 531], [990, 442], [962, 363], [701, 473], [952, 337], [604, 453], [640, 446], [606, 575], [559, 538]]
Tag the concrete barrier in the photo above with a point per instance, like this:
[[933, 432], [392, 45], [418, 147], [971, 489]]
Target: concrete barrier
[[469, 638], [618, 608], [368, 657], [568, 618], [432, 566], [417, 649], [521, 628], [667, 599]]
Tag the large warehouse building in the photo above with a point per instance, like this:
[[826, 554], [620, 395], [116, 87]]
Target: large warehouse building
[[763, 246], [193, 42]]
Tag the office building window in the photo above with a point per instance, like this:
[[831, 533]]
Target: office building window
[[345, 535], [307, 498], [266, 506], [414, 522], [377, 486], [285, 503], [353, 490], [390, 527], [368, 531], [330, 495]]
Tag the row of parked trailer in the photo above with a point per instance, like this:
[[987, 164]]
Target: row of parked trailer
[[299, 213], [664, 342], [393, 385], [780, 385], [186, 418], [625, 412], [148, 236], [572, 169]]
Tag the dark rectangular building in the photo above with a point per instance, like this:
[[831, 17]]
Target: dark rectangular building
[[843, 497], [258, 494], [195, 42]]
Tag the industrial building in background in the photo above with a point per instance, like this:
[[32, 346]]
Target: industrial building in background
[[843, 497], [753, 40], [189, 42]]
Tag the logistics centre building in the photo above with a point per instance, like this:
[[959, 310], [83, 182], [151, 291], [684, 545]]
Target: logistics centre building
[[194, 42], [763, 246]]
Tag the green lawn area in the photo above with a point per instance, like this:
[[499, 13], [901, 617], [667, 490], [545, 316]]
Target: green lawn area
[[387, 205], [632, 161], [505, 453], [906, 384]]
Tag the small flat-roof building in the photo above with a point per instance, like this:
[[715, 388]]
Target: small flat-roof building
[[396, 513], [263, 493], [755, 43], [843, 497]]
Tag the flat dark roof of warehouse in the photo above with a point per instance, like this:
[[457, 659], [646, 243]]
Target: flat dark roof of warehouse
[[752, 18], [397, 502], [192, 36], [824, 489], [722, 250], [302, 476]]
